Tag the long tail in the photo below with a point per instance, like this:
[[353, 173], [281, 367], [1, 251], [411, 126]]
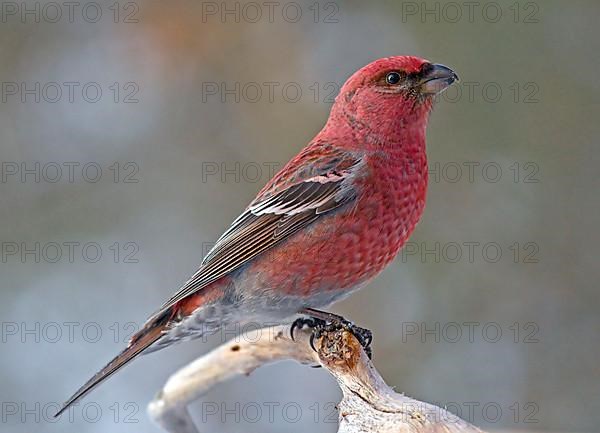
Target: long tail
[[148, 335]]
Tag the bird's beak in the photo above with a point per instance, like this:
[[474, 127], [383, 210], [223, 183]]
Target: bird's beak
[[436, 78]]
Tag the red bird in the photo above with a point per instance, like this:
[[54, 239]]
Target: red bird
[[331, 220]]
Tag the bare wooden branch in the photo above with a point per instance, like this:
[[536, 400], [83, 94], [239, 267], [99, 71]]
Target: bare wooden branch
[[368, 403]]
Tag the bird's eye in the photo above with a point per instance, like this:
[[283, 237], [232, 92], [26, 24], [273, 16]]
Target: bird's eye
[[392, 78]]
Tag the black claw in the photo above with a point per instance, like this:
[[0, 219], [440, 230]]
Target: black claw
[[294, 325], [301, 322], [312, 341]]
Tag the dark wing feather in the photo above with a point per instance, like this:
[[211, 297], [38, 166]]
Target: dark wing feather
[[308, 187], [274, 216]]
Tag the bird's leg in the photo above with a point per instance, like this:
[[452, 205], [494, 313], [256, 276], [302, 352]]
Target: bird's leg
[[323, 321]]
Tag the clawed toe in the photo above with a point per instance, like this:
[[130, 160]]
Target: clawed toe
[[306, 322]]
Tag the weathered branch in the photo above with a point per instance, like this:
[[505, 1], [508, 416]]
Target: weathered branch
[[368, 403]]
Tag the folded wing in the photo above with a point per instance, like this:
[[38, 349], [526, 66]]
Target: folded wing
[[318, 181]]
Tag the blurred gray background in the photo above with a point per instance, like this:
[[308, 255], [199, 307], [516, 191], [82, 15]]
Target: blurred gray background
[[493, 309]]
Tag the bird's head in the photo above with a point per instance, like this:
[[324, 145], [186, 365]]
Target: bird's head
[[392, 93]]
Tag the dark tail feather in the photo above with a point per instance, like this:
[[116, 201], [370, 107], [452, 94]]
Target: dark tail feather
[[151, 332]]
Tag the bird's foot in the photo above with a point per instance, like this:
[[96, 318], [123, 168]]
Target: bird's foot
[[322, 322]]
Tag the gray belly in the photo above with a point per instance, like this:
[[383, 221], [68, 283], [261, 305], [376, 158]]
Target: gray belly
[[243, 310]]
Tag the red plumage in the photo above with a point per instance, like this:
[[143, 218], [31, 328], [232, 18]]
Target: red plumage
[[333, 218]]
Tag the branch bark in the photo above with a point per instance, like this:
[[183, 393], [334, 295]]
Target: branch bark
[[368, 403]]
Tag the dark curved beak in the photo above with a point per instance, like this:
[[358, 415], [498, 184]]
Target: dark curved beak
[[436, 78]]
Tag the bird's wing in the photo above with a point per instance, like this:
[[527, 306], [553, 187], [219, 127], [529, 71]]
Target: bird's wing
[[317, 181]]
